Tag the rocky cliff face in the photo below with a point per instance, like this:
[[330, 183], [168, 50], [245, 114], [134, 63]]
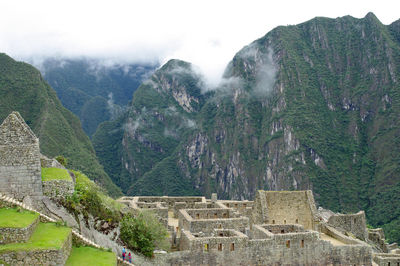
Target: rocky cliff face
[[312, 106], [162, 111]]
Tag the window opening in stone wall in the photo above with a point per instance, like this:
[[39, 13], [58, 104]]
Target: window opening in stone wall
[[284, 221], [273, 221], [245, 205], [206, 247], [232, 246], [221, 234], [302, 243], [225, 216], [282, 231], [220, 226], [227, 205], [219, 247], [236, 205], [297, 221], [197, 216], [288, 243], [215, 215]]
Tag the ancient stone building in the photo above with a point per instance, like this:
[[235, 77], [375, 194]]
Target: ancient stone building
[[20, 172], [278, 228]]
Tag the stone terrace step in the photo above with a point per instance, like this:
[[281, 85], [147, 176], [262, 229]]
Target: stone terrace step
[[49, 245], [46, 218], [18, 227]]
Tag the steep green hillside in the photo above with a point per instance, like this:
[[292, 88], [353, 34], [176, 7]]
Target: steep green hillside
[[93, 90], [311, 106], [160, 116], [23, 89]]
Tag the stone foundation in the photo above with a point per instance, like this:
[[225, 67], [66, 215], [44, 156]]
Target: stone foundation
[[48, 257], [17, 235], [58, 188]]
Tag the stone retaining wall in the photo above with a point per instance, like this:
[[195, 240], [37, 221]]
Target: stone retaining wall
[[17, 235], [58, 188], [353, 223], [207, 225], [39, 257]]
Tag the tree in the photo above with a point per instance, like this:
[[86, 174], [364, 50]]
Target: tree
[[143, 233]]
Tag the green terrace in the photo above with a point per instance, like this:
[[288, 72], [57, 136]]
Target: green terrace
[[90, 256], [55, 174], [46, 236], [16, 218]]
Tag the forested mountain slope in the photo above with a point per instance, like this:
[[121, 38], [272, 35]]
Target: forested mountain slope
[[94, 90], [23, 89]]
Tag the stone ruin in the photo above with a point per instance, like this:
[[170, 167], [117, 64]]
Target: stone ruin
[[21, 162], [20, 170], [277, 228]]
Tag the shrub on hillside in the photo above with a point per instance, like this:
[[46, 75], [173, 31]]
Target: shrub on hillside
[[88, 198], [143, 233], [62, 160]]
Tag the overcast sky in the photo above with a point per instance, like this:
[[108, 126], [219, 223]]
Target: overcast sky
[[206, 33]]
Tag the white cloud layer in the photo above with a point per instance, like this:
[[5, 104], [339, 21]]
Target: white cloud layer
[[207, 33]]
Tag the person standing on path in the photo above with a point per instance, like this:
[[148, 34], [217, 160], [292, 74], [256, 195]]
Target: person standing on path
[[123, 253], [129, 258]]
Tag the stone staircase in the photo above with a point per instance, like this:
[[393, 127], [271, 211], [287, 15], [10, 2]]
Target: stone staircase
[[13, 202]]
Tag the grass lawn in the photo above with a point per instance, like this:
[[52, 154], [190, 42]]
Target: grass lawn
[[55, 174], [90, 256], [46, 236], [10, 217]]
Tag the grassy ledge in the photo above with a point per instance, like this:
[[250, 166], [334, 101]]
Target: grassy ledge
[[46, 236], [15, 218], [55, 174], [90, 256]]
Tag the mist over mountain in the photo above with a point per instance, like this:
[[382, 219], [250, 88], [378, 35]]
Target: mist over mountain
[[95, 90], [23, 89], [310, 106]]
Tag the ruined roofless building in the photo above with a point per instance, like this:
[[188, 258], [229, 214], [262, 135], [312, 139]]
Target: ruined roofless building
[[20, 171]]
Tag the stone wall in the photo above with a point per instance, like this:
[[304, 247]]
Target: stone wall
[[283, 228], [377, 237], [190, 201], [50, 163], [186, 222], [281, 249], [17, 235], [58, 188], [330, 231], [243, 207], [385, 259], [288, 207], [233, 240], [213, 213], [354, 223], [38, 256], [20, 172]]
